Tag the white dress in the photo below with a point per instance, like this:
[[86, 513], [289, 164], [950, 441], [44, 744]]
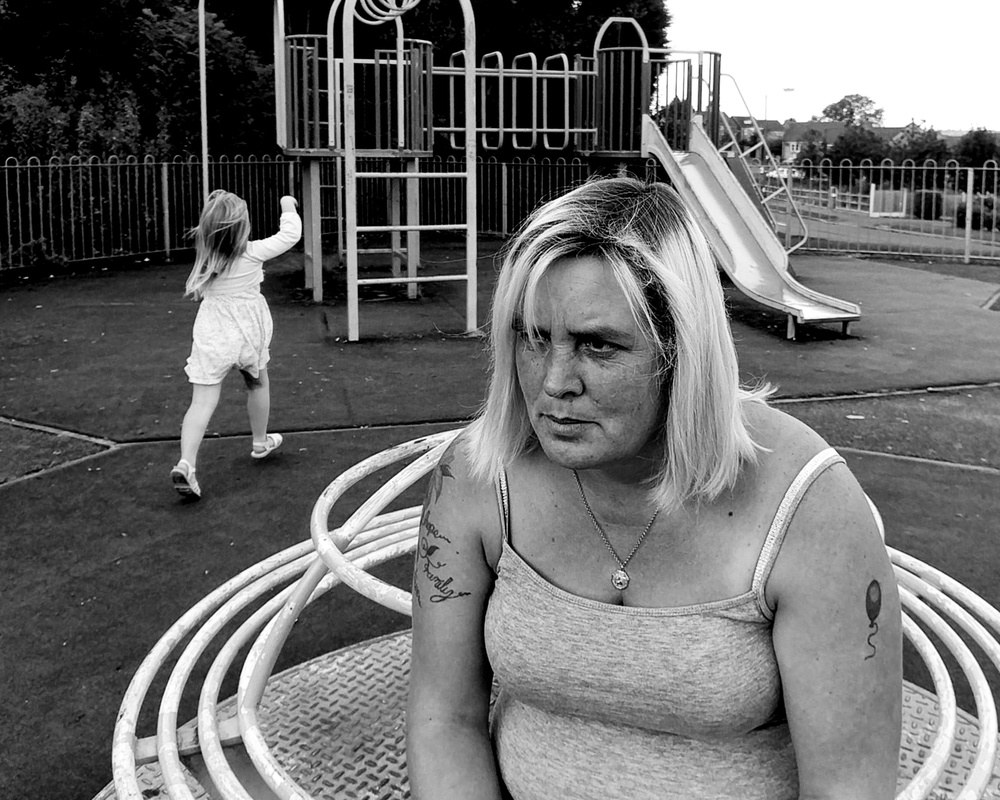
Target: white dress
[[234, 327]]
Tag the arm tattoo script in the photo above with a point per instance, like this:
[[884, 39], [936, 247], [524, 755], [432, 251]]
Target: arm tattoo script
[[873, 605], [431, 565]]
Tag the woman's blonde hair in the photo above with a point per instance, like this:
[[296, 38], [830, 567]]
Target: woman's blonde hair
[[220, 237], [665, 267]]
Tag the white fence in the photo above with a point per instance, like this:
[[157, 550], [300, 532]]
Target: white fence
[[77, 210], [938, 211]]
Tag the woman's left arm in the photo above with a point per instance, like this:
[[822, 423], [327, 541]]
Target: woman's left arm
[[838, 641]]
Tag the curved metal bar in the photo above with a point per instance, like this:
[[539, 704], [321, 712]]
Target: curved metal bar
[[516, 130], [278, 779], [166, 732], [977, 780], [123, 761], [483, 75], [933, 767], [986, 712], [622, 21], [332, 547], [209, 737], [270, 639], [561, 57], [948, 585]]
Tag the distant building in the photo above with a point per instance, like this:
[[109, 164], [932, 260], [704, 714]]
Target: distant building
[[898, 137], [746, 135], [797, 135], [793, 137]]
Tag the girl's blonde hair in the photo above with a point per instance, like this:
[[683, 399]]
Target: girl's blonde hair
[[220, 237], [664, 265]]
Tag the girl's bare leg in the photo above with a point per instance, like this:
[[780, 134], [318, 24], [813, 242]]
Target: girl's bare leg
[[258, 404], [204, 399]]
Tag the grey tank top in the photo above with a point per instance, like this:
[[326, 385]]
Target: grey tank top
[[605, 701]]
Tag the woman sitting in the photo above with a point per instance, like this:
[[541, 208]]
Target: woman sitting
[[678, 590]]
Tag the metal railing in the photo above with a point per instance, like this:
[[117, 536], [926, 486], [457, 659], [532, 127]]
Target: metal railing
[[940, 211], [78, 210]]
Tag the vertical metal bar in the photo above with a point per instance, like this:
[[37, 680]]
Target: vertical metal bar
[[471, 257], [7, 169], [202, 71], [412, 218], [314, 256], [504, 209], [165, 201], [968, 216], [338, 176], [377, 93], [280, 52], [400, 89], [394, 201], [350, 174], [317, 137], [74, 179]]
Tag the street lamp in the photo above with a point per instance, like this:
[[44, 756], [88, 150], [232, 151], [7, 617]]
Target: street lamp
[[204, 99], [789, 89]]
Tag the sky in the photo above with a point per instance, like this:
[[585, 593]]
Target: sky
[[937, 64]]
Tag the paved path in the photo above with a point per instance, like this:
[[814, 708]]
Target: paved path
[[98, 557]]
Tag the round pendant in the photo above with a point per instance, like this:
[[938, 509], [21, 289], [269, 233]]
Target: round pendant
[[619, 579]]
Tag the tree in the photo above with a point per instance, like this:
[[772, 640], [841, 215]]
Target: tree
[[976, 148], [856, 144], [120, 77], [543, 27], [240, 89], [854, 109], [813, 148], [920, 145]]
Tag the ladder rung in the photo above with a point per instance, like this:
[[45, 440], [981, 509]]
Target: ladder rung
[[424, 279], [380, 228], [382, 251], [412, 175]]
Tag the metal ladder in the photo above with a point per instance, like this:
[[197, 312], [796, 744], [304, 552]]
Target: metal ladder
[[740, 162], [406, 180]]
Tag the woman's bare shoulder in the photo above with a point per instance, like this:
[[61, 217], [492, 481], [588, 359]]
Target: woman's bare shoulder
[[832, 523], [458, 496], [454, 478], [784, 439]]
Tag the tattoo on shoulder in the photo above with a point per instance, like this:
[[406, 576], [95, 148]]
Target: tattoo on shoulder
[[431, 565], [873, 606], [441, 471]]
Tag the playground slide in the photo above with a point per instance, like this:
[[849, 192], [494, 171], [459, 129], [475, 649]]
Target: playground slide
[[748, 248]]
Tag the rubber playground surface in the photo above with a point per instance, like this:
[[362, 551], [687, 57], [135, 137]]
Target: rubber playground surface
[[98, 555]]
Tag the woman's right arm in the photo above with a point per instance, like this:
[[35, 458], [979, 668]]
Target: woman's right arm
[[449, 753]]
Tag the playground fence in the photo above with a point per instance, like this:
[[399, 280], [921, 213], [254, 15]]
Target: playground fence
[[945, 211], [64, 211]]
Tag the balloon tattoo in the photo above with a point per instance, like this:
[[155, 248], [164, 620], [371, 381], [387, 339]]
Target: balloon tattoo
[[873, 605]]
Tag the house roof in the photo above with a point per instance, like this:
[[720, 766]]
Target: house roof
[[766, 125], [798, 131], [889, 133]]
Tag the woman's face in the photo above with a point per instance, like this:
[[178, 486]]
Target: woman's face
[[590, 383]]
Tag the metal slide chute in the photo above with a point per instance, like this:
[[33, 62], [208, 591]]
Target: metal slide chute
[[748, 249]]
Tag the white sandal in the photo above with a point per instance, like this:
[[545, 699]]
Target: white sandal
[[184, 480], [270, 444]]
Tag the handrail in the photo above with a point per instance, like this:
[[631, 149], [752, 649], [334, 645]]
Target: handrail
[[775, 166]]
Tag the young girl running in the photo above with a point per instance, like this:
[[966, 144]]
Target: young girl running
[[233, 327]]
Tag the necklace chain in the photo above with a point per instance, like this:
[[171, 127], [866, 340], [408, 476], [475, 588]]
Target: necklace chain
[[620, 579]]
